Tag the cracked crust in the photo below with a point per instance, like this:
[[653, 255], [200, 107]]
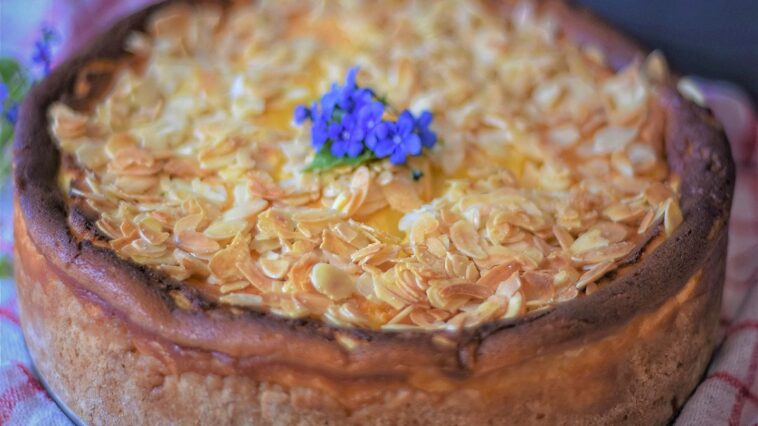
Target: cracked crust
[[92, 318]]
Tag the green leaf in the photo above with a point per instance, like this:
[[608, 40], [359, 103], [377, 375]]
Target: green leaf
[[6, 133], [12, 74], [324, 160], [6, 267]]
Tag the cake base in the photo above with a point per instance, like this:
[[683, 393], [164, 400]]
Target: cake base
[[107, 373], [56, 399]]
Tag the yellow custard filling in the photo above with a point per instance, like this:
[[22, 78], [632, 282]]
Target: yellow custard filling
[[548, 171]]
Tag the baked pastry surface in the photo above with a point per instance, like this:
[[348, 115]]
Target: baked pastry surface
[[630, 352]]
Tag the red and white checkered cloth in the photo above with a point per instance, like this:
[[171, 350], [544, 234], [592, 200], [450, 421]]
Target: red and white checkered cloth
[[728, 394]]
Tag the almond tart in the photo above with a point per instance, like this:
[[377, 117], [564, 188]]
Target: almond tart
[[557, 257]]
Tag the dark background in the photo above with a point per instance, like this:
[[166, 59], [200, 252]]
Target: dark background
[[711, 38]]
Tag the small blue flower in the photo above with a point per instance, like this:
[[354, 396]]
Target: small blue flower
[[12, 114], [351, 97], [350, 80], [43, 49], [330, 100], [302, 113], [428, 137], [397, 140], [3, 93], [370, 115], [349, 119], [319, 134], [347, 137]]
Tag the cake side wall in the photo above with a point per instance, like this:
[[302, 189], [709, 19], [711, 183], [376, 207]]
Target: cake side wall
[[90, 359]]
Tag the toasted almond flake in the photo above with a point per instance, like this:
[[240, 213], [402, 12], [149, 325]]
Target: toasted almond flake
[[152, 231], [611, 252], [239, 285], [196, 243], [242, 299], [188, 223], [67, 123], [223, 263], [222, 230], [690, 90], [274, 268], [359, 187], [672, 216], [611, 232], [589, 240], [642, 158], [400, 316], [316, 215], [611, 139], [331, 281], [564, 238], [314, 302], [466, 239], [181, 300], [386, 290], [476, 291], [515, 306], [624, 213], [646, 222], [493, 277], [262, 185], [593, 274], [537, 285], [510, 286], [252, 273]]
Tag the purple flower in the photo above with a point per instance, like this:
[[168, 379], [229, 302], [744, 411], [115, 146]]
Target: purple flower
[[11, 114], [347, 137], [319, 134], [3, 93], [397, 140], [350, 96], [302, 113], [370, 115], [43, 49], [428, 137], [330, 100], [348, 119]]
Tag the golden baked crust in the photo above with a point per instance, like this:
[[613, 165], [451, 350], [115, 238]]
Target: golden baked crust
[[629, 353], [636, 373]]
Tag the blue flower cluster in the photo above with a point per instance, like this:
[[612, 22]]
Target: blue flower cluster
[[350, 120], [10, 111], [42, 55]]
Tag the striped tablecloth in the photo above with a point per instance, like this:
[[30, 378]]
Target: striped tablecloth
[[728, 394]]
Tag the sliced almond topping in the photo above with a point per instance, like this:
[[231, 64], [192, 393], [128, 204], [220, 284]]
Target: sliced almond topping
[[498, 274], [192, 166], [196, 243], [475, 291], [672, 217], [331, 281], [466, 239], [274, 268], [593, 274]]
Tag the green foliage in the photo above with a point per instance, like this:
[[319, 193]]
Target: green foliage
[[15, 84], [324, 160], [6, 267]]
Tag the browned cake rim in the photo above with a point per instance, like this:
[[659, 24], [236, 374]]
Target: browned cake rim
[[696, 149]]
